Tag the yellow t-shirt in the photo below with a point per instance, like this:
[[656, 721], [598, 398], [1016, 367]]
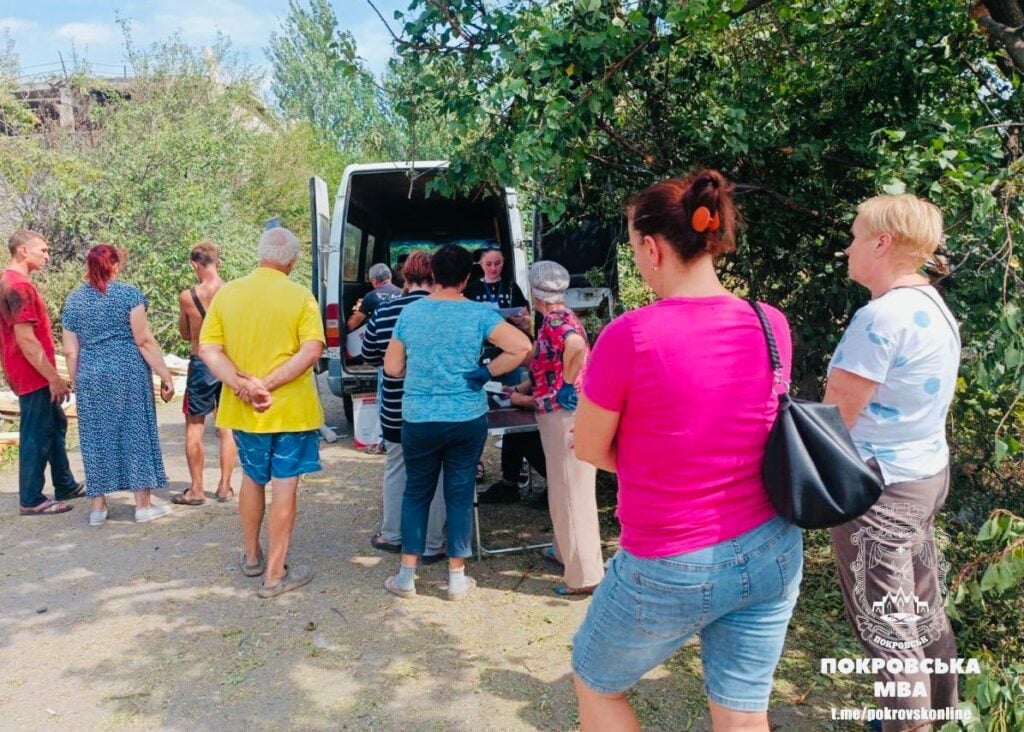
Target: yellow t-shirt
[[260, 320]]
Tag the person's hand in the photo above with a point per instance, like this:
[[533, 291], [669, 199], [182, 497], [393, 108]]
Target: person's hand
[[521, 321], [477, 377], [567, 397], [59, 390], [166, 390], [253, 392]]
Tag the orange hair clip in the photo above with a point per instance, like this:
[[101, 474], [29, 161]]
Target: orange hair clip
[[702, 220]]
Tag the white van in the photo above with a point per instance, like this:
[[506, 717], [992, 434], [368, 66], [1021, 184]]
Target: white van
[[383, 210]]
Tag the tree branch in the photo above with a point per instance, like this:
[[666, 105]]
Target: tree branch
[[1009, 38], [789, 203]]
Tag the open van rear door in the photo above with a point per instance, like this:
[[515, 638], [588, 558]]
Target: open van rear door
[[320, 235], [585, 248]]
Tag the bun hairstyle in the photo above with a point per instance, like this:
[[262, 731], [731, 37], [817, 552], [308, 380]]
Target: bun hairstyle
[[672, 209], [99, 263]]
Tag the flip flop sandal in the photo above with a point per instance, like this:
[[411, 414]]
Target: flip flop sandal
[[251, 570], [225, 498], [78, 492], [46, 508], [180, 500], [565, 591], [391, 586], [292, 580], [548, 553]]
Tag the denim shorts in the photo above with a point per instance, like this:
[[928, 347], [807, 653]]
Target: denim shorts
[[266, 455], [738, 595]]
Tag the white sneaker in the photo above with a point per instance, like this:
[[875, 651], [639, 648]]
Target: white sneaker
[[97, 518], [143, 515]]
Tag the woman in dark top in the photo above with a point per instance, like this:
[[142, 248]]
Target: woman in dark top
[[496, 291], [492, 289]]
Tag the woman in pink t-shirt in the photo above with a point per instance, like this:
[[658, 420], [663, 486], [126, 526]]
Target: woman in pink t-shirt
[[678, 400]]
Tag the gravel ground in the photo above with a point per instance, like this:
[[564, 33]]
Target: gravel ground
[[153, 627]]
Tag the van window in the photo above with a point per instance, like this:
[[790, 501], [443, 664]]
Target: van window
[[371, 255], [404, 247], [350, 255]]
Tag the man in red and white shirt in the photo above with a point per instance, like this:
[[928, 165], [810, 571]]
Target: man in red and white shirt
[[27, 354]]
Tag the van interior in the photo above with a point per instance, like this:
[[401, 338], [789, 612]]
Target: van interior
[[389, 214]]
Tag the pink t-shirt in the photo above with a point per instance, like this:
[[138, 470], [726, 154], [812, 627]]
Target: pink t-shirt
[[692, 383]]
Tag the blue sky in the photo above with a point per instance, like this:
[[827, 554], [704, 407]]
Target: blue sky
[[44, 29]]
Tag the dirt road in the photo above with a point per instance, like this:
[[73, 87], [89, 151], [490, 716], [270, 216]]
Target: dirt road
[[151, 626]]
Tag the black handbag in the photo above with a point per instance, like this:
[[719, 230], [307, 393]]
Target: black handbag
[[812, 471]]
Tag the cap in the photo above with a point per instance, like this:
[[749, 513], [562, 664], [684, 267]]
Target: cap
[[549, 281]]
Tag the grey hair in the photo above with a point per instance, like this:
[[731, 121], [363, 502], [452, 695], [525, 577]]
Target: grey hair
[[379, 272], [549, 281], [278, 245]]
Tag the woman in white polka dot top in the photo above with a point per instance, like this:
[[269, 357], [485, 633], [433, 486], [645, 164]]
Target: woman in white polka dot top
[[893, 377]]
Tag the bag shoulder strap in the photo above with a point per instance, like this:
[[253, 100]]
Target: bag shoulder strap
[[938, 306], [776, 362], [197, 303]]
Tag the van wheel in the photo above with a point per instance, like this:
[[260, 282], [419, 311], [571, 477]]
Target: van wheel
[[346, 401]]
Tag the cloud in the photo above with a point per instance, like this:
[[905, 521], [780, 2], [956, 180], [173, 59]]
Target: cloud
[[16, 25], [88, 34], [200, 22]]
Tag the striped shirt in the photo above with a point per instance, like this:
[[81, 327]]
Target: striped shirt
[[375, 343]]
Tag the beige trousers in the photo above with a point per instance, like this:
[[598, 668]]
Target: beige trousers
[[572, 500]]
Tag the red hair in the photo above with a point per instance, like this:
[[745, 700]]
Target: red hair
[[667, 209], [99, 263]]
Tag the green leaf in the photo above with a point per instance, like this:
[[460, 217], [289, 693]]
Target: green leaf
[[895, 187], [1001, 449], [990, 579]]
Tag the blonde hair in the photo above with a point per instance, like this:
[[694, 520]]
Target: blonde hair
[[914, 224]]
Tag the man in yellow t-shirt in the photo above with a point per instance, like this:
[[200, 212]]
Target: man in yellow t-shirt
[[261, 336]]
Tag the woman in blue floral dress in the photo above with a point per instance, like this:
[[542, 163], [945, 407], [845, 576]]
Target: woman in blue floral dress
[[111, 355]]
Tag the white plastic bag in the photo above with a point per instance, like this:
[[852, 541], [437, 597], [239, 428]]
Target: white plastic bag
[[365, 421]]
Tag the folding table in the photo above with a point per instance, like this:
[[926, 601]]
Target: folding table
[[504, 422]]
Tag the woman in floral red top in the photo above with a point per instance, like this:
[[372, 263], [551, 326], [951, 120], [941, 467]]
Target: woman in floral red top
[[559, 359]]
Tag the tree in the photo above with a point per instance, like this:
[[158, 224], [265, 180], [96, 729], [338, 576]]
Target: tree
[[318, 77], [186, 152], [810, 107]]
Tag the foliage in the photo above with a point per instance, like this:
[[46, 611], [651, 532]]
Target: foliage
[[993, 582], [318, 78], [180, 155], [796, 102]]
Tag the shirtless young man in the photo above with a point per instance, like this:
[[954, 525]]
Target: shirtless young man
[[202, 390]]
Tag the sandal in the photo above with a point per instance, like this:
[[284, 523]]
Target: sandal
[[77, 491], [181, 499], [378, 542], [456, 596], [548, 553], [566, 591], [46, 508], [226, 497], [302, 575], [251, 570], [390, 584]]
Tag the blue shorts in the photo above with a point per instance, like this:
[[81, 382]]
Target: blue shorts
[[738, 595], [277, 454]]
